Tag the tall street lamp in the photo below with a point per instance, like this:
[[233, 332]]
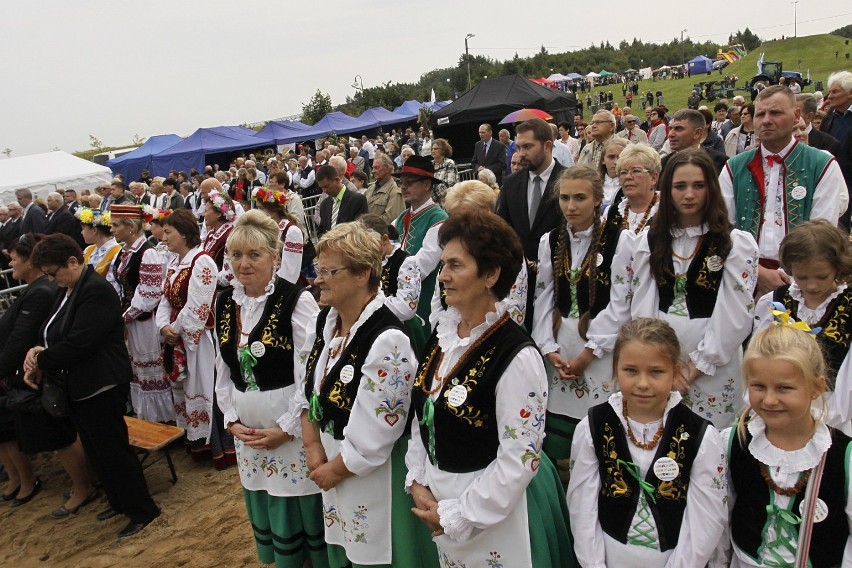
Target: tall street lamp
[[467, 57], [682, 47], [795, 6]]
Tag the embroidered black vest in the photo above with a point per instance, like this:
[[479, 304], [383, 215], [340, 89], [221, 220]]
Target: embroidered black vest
[[336, 397], [749, 516], [702, 284], [836, 324], [467, 437], [619, 495], [608, 244], [614, 218], [129, 280], [390, 272], [274, 370]]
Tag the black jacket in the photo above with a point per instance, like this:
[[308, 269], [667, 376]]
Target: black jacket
[[62, 221], [9, 232], [494, 161], [352, 206], [34, 220], [20, 324]]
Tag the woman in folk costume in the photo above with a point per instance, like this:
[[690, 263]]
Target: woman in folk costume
[[635, 202], [137, 275], [476, 471], [355, 397], [185, 322], [260, 324], [274, 203], [695, 271], [97, 233], [219, 217]]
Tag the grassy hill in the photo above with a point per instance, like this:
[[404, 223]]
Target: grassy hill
[[816, 54]]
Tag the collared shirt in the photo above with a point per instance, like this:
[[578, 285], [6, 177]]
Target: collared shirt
[[339, 196], [773, 209], [545, 176]]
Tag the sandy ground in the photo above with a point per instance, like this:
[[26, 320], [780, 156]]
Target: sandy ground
[[203, 523]]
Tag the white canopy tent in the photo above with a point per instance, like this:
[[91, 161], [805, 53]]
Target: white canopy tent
[[43, 173], [559, 78]]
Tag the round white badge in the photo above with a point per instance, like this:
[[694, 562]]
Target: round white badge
[[347, 373], [599, 260], [714, 263], [799, 193], [666, 469], [820, 511], [456, 396], [257, 349]]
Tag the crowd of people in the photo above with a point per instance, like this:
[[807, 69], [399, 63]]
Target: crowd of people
[[626, 346]]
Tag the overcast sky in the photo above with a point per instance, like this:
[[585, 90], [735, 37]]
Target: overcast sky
[[118, 68]]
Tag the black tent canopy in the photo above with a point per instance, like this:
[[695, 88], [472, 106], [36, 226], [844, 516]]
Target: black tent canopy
[[490, 101]]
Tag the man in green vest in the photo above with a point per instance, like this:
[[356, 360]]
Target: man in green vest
[[418, 234], [780, 184]]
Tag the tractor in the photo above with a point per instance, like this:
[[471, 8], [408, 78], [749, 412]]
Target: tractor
[[770, 72]]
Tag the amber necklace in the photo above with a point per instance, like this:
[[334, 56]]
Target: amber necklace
[[570, 274], [785, 491], [333, 353], [473, 347], [625, 222], [645, 446]]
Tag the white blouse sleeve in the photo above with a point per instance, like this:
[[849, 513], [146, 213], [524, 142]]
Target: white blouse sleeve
[[847, 550], [516, 301], [304, 312], [192, 319], [298, 402], [429, 254], [150, 287], [415, 458], [291, 255], [163, 316], [829, 194], [583, 489], [381, 407], [726, 183], [225, 276], [225, 391], [404, 303], [521, 404], [706, 514], [721, 556], [732, 317], [762, 313], [603, 329], [545, 282]]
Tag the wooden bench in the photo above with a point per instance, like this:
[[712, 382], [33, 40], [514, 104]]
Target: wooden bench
[[147, 437]]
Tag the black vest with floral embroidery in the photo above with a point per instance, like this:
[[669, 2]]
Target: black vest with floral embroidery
[[274, 369], [336, 397], [390, 272], [467, 436], [129, 279], [702, 284], [619, 495]]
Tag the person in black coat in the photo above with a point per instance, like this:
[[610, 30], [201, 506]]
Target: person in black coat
[[61, 220], [83, 346], [350, 204], [489, 153], [34, 219]]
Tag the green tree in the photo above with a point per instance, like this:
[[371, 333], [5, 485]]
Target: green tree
[[316, 108], [138, 140], [8, 152], [95, 142]]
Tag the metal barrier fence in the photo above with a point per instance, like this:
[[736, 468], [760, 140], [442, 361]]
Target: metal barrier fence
[[311, 205], [9, 291]]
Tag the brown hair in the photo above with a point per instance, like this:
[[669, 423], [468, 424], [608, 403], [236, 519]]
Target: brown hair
[[652, 331], [184, 222], [814, 241], [540, 129]]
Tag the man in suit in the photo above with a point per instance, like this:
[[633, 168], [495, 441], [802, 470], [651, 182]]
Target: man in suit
[[489, 153], [34, 220], [686, 130], [173, 196], [71, 202], [141, 195], [808, 107], [10, 231], [342, 206], [60, 220], [526, 199]]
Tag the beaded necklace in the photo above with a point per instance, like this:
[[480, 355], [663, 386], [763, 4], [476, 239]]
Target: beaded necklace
[[645, 446], [688, 258], [625, 222], [785, 491], [573, 275]]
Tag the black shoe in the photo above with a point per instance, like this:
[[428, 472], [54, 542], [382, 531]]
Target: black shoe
[[28, 498], [132, 528], [63, 512], [11, 496], [108, 514]]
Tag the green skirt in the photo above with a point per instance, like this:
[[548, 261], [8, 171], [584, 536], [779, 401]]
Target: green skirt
[[411, 540], [547, 515], [287, 530], [559, 434]]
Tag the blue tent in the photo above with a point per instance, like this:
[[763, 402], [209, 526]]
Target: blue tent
[[132, 163], [382, 116], [280, 130], [205, 146], [333, 122], [700, 64], [412, 108]]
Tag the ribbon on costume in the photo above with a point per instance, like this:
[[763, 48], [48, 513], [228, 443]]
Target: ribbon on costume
[[783, 317], [633, 470], [247, 364], [429, 421]]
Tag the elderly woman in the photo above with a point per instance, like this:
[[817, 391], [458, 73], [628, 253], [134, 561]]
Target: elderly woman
[[261, 323], [185, 320], [446, 173], [487, 177], [273, 202], [658, 132], [476, 471], [636, 202], [607, 169], [82, 348], [356, 398], [96, 228], [137, 276]]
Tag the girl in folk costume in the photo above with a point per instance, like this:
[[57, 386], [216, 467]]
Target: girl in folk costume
[[219, 217], [476, 471], [650, 472], [274, 204], [355, 398], [788, 472], [697, 273], [96, 231], [155, 217], [185, 322], [260, 322], [137, 275], [608, 169], [400, 274], [817, 255], [636, 202], [572, 287]]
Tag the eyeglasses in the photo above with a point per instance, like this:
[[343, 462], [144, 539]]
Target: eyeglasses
[[632, 172], [51, 273], [328, 272]]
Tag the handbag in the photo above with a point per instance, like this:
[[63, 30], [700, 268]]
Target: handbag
[[54, 394], [16, 397]]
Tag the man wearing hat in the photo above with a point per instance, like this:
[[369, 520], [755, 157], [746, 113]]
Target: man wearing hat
[[418, 234]]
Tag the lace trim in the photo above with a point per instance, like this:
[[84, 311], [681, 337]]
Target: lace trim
[[448, 325], [787, 462], [809, 316], [695, 231], [248, 301], [455, 526], [616, 400]]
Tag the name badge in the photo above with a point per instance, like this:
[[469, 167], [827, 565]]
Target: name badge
[[347, 373], [456, 396], [666, 469], [258, 349], [820, 511], [799, 193], [714, 263]]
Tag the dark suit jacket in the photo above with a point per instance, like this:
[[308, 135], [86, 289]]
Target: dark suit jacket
[[34, 221], [352, 206], [494, 161], [9, 232], [20, 324], [719, 159], [64, 222], [823, 141], [86, 339]]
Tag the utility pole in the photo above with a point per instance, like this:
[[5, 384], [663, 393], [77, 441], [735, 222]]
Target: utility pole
[[682, 48], [795, 19], [467, 57]]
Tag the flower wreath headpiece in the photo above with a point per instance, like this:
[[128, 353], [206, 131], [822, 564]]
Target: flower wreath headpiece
[[268, 195], [93, 217], [222, 206]]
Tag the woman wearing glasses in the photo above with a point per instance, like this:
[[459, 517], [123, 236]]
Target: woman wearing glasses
[[636, 202], [356, 401]]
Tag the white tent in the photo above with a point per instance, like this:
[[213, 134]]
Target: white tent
[[646, 72], [559, 78], [43, 173], [592, 75]]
